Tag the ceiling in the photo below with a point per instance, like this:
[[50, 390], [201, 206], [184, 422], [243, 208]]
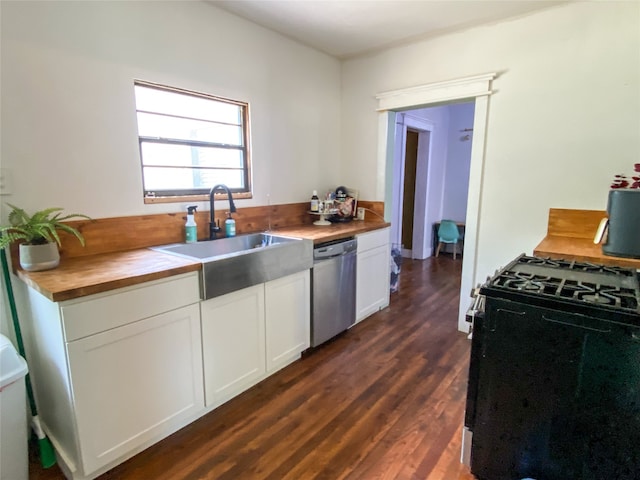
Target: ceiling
[[346, 28]]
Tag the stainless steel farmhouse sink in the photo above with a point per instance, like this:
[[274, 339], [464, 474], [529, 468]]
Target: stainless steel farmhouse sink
[[230, 264]]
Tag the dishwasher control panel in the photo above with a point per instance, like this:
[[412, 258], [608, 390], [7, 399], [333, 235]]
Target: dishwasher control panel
[[334, 248]]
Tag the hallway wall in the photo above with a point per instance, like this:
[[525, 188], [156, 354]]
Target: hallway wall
[[456, 180]]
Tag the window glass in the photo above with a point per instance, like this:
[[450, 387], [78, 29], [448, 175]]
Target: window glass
[[191, 141], [161, 126]]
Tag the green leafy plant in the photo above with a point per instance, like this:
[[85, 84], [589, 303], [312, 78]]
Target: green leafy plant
[[37, 229]]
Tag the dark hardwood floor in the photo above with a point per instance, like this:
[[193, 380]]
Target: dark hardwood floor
[[384, 400]]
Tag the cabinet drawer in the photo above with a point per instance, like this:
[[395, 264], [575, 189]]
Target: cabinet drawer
[[369, 240], [101, 312]]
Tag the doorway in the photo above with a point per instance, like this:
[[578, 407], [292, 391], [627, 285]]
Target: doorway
[[431, 174], [476, 89]]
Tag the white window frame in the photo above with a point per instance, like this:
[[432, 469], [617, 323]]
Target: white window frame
[[180, 195]]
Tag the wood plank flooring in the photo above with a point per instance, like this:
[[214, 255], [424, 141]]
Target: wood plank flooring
[[384, 400]]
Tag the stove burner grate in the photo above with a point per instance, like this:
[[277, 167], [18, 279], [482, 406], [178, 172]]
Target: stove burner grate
[[585, 292], [602, 299], [576, 266]]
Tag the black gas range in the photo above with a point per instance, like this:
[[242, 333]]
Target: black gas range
[[609, 292], [554, 376]]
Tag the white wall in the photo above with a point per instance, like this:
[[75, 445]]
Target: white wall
[[69, 131], [563, 119], [456, 182], [69, 135]]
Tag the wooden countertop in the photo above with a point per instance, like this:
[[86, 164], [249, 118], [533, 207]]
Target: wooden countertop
[[79, 276], [570, 236], [580, 249], [326, 233]]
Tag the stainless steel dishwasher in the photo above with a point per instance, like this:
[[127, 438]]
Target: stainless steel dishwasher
[[333, 303]]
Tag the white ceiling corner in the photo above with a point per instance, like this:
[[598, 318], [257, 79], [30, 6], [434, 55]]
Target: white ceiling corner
[[347, 28]]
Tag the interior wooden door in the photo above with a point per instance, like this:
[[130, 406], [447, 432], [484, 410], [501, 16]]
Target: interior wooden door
[[409, 191]]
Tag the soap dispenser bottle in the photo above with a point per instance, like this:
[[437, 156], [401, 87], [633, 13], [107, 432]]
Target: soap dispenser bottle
[[190, 228], [229, 226]]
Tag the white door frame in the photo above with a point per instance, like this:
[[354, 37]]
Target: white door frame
[[405, 121], [476, 88]]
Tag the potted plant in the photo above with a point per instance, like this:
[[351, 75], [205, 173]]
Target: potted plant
[[38, 234]]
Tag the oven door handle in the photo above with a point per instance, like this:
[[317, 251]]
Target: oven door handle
[[575, 323], [511, 311]]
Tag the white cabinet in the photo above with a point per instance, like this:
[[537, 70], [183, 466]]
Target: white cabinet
[[116, 372], [233, 342], [287, 317], [253, 332], [132, 383], [372, 277]]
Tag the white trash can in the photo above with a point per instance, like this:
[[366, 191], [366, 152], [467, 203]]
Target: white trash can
[[14, 460]]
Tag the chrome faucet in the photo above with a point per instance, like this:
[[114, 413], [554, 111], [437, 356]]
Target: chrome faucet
[[213, 228]]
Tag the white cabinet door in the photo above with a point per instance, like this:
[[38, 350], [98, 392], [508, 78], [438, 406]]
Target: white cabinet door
[[287, 311], [135, 384], [372, 286], [233, 343]]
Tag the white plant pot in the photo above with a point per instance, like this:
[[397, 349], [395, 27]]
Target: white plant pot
[[35, 258]]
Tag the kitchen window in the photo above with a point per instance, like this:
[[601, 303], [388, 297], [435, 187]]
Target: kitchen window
[[190, 142]]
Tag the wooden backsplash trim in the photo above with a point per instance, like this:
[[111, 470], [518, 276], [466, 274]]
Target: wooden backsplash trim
[[116, 234], [574, 223]]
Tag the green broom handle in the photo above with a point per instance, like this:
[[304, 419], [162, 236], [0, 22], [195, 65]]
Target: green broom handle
[[16, 325]]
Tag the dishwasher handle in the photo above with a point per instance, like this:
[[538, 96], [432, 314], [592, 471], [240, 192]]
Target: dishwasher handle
[[328, 252], [334, 249]]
